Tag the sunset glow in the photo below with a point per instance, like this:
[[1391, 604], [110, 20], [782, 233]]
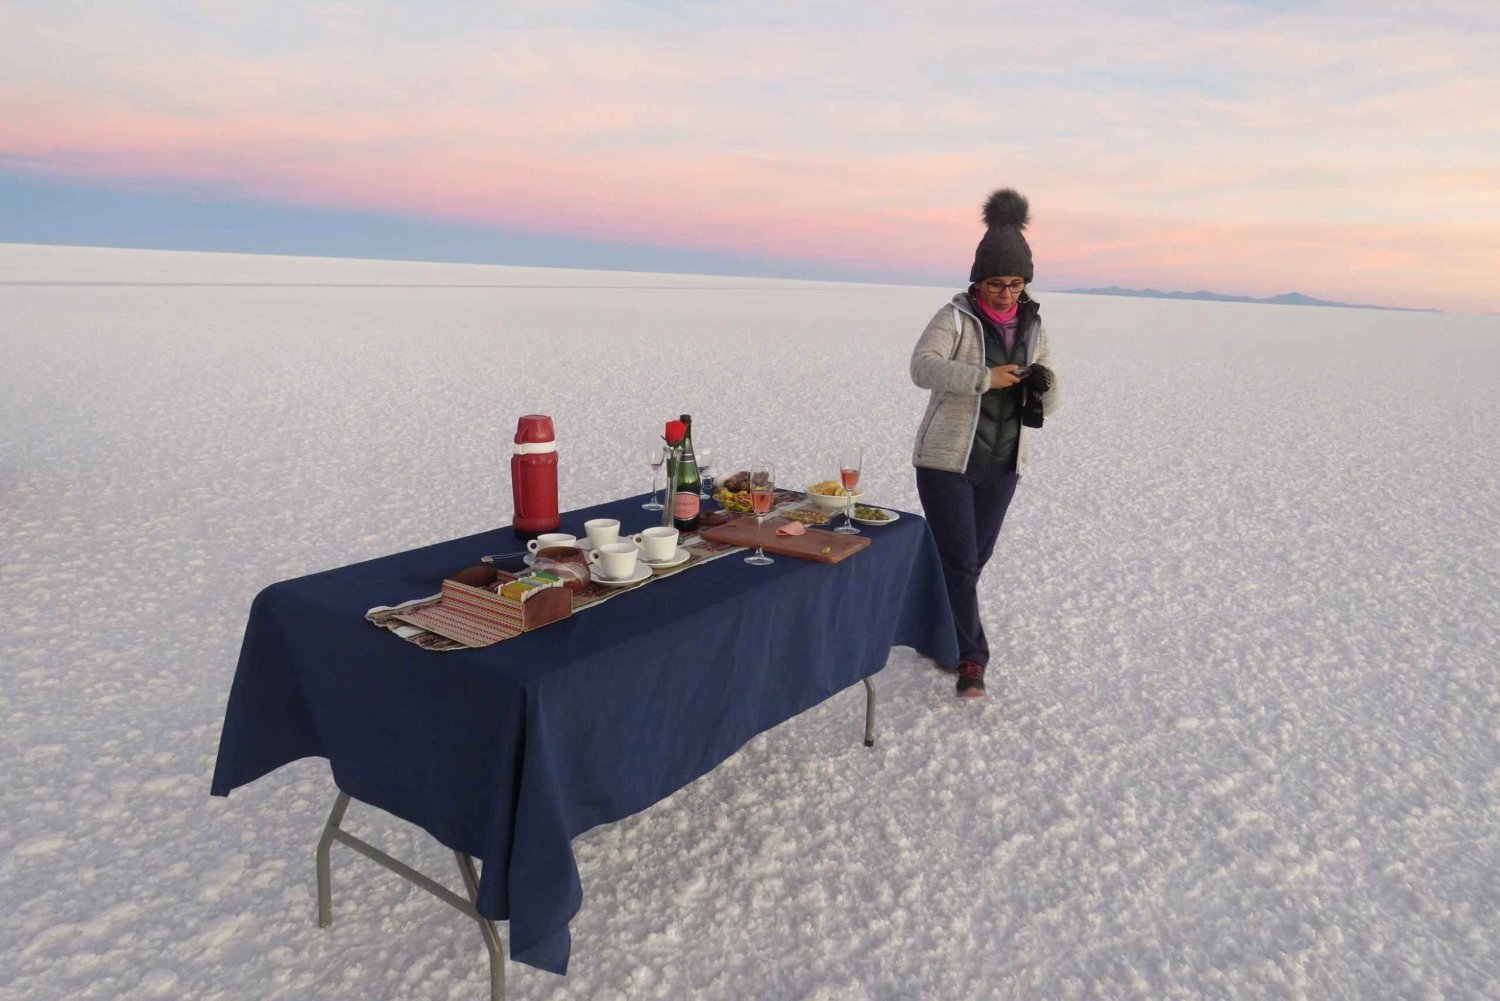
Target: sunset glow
[[1346, 151]]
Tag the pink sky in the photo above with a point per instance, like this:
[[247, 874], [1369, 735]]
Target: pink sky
[[1349, 152]]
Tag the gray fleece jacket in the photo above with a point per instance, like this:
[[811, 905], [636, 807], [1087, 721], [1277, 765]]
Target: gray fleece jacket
[[949, 361]]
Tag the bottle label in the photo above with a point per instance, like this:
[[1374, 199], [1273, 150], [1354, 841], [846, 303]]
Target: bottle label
[[686, 504]]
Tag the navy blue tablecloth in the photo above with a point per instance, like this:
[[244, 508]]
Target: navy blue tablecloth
[[509, 752]]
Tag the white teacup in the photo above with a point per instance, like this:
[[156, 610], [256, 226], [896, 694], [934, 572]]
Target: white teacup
[[657, 544], [552, 539], [602, 531], [616, 560]]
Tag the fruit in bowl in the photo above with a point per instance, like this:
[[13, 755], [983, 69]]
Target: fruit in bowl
[[830, 495], [734, 492], [732, 500]]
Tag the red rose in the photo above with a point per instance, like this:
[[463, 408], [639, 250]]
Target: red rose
[[676, 431]]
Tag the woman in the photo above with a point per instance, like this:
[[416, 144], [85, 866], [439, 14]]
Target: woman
[[986, 360]]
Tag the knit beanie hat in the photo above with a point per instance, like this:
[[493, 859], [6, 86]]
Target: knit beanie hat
[[1003, 251]]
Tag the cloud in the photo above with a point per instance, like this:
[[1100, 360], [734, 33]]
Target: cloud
[[1167, 138]]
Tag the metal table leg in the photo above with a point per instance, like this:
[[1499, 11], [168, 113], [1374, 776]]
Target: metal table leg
[[333, 832], [325, 888], [487, 928], [869, 713]]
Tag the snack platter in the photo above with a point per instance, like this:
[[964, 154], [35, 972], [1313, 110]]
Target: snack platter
[[733, 495], [791, 504], [739, 502]]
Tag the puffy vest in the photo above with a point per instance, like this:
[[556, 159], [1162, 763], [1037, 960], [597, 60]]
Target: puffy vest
[[999, 430]]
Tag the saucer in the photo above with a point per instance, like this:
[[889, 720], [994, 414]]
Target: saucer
[[642, 571], [894, 515], [675, 560]]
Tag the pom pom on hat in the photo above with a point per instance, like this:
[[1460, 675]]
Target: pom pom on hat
[[1007, 207]]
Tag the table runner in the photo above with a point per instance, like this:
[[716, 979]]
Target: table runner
[[391, 617], [509, 752]]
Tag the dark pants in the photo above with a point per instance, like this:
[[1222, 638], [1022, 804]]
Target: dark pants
[[965, 511]]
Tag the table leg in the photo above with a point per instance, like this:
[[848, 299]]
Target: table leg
[[869, 713], [486, 928], [325, 889], [333, 832]]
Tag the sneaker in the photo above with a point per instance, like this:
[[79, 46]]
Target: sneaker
[[970, 680]]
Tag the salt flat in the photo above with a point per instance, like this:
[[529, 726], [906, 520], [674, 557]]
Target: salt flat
[[1243, 736]]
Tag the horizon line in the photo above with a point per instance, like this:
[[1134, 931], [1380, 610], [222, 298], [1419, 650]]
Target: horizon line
[[1123, 293]]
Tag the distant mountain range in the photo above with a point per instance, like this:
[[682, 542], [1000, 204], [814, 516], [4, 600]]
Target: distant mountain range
[[1285, 299]]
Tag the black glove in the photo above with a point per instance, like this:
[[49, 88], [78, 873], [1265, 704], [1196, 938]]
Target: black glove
[[1038, 379]]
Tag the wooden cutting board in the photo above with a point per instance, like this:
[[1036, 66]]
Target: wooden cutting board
[[807, 546]]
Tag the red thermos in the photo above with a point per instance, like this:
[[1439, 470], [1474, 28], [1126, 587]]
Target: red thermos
[[533, 475]]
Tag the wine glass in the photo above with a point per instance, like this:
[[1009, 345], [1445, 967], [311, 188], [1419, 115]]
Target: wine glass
[[705, 457], [656, 454], [850, 460], [762, 493]]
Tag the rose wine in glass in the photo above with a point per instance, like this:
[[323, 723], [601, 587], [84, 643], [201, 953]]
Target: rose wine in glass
[[656, 454], [851, 459], [762, 494]]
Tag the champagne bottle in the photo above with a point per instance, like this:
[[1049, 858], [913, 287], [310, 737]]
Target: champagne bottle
[[686, 485]]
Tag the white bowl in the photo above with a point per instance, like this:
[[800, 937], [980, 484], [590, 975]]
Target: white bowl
[[827, 503]]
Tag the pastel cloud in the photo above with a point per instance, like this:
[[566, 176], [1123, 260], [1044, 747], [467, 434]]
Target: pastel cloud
[[1331, 150]]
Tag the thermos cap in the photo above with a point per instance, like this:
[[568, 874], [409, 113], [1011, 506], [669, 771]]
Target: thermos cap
[[534, 429]]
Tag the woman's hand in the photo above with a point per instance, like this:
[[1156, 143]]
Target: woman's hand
[[1004, 376]]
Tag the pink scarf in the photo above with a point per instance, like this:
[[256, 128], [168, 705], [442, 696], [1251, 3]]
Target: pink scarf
[[1006, 321]]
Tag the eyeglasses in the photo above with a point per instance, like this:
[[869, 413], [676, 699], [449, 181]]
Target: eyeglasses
[[996, 287]]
